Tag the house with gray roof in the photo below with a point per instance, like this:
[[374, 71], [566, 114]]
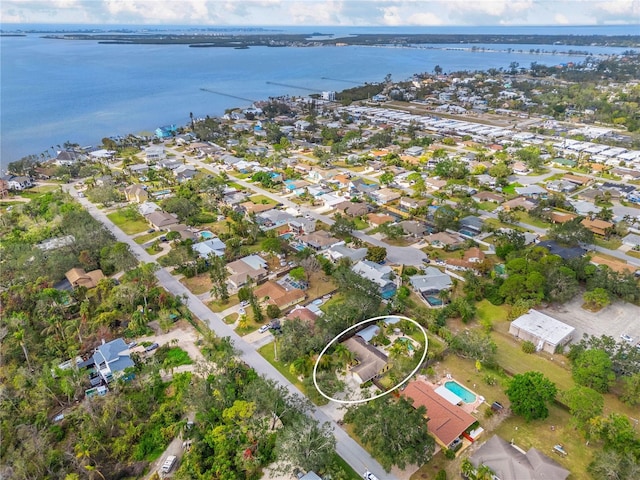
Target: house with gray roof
[[112, 358], [339, 251], [631, 240], [433, 281], [508, 462], [213, 246], [379, 274], [531, 191]]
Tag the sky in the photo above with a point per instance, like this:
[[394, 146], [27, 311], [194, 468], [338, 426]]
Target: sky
[[323, 12]]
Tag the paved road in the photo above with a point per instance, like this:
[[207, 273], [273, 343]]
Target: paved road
[[346, 447]]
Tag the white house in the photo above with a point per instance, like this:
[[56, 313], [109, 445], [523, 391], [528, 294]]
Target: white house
[[544, 331]]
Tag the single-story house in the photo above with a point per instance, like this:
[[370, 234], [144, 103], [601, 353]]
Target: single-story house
[[112, 358], [385, 195], [408, 203], [619, 266], [561, 217], [577, 179], [336, 252], [444, 239], [320, 240], [531, 191], [79, 278], [472, 257], [597, 226], [212, 246], [445, 421], [251, 207], [413, 228], [160, 220], [276, 294], [378, 274], [303, 313], [432, 282], [632, 240], [545, 332], [18, 182], [518, 203], [136, 193], [562, 186], [508, 462], [520, 168], [145, 208], [471, 224], [354, 209], [371, 362], [488, 197], [377, 219], [566, 253]]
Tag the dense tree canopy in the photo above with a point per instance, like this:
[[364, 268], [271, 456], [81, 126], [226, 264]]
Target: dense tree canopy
[[529, 394]]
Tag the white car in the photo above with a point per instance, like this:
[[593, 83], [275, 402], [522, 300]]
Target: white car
[[626, 338], [264, 328]]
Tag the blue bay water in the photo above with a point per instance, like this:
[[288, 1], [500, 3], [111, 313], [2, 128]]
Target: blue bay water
[[82, 91]]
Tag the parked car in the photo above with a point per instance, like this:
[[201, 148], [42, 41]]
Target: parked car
[[151, 230], [244, 303], [168, 464], [626, 338], [151, 347], [264, 328], [132, 344]]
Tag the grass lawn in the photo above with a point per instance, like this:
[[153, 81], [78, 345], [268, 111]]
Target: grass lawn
[[488, 311], [198, 284], [262, 199], [487, 206], [170, 357], [360, 224], [633, 253], [140, 239], [230, 319], [524, 217], [611, 244], [128, 226], [236, 185], [539, 434], [511, 188], [350, 473], [268, 352], [218, 306], [319, 285], [335, 300]]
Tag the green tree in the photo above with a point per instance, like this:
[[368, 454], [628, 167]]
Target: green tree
[[394, 430], [272, 245], [342, 226], [571, 233], [631, 390], [445, 218], [298, 274], [529, 394], [596, 299], [218, 273], [584, 404], [273, 311], [376, 254], [475, 345], [593, 368], [307, 445]]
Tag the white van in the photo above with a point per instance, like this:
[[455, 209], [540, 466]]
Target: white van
[[168, 464]]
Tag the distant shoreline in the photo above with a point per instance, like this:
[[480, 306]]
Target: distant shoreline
[[304, 40]]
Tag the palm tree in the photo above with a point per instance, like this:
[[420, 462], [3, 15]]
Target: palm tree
[[468, 470], [343, 355], [19, 336]]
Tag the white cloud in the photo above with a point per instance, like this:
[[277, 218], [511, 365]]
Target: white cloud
[[319, 12]]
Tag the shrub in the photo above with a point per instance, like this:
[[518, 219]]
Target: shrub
[[488, 412], [450, 454], [441, 475], [490, 379], [528, 347]]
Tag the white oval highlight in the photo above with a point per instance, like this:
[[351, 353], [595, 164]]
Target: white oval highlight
[[355, 402]]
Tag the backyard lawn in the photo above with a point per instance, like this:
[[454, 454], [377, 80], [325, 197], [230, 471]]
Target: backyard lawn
[[262, 199], [130, 226]]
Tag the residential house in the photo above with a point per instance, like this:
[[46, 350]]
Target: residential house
[[184, 172], [519, 203], [471, 259], [275, 294], [531, 191], [354, 209], [250, 207], [431, 283], [566, 253], [584, 208], [597, 226], [370, 362], [248, 269], [166, 131], [234, 199], [618, 266], [301, 226], [408, 203], [414, 151], [545, 332], [68, 158], [385, 195], [160, 220], [18, 182], [154, 153], [444, 240], [273, 219], [145, 208], [136, 193], [212, 246], [77, 277], [520, 168], [320, 240], [471, 225], [577, 179], [336, 252], [359, 187], [631, 240], [488, 197], [381, 275], [413, 228], [302, 126], [186, 233], [330, 200], [445, 421], [561, 186], [561, 217], [297, 187], [104, 181], [302, 313], [112, 358], [377, 219], [435, 184], [508, 462]]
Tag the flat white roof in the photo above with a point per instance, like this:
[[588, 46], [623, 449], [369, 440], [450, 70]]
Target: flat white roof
[[448, 395], [543, 326]]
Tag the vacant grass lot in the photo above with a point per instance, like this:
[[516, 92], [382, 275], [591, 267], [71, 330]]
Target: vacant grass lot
[[128, 225], [218, 306], [262, 199], [611, 243], [140, 239], [268, 352], [198, 284]]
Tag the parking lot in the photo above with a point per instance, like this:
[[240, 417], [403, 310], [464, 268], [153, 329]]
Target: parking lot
[[617, 319]]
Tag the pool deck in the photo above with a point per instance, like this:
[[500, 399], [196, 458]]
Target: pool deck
[[467, 407]]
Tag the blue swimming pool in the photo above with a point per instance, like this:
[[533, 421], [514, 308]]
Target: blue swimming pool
[[467, 233], [206, 235], [408, 342], [433, 300], [460, 391], [286, 236]]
